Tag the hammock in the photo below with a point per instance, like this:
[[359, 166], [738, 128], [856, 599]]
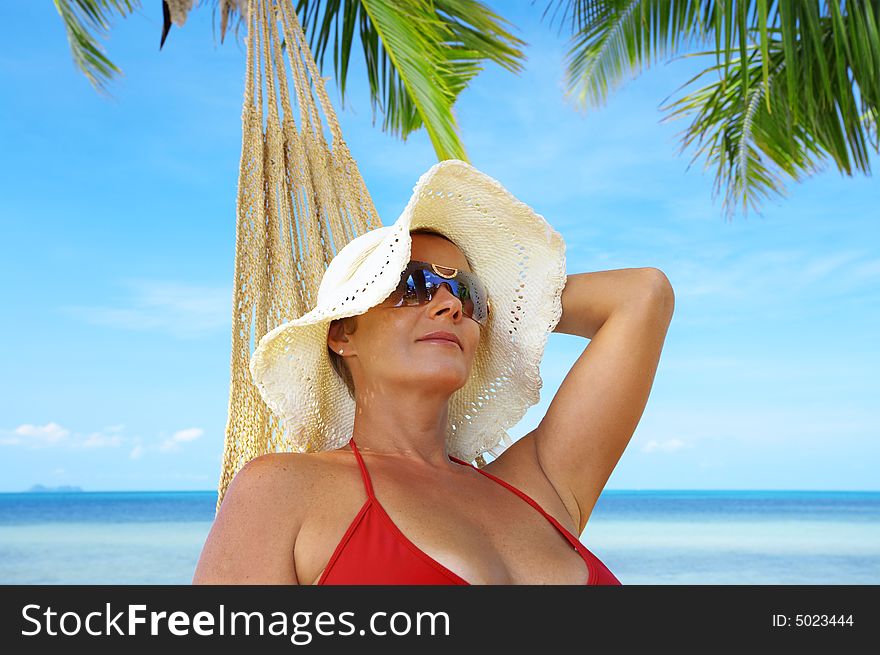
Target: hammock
[[299, 202]]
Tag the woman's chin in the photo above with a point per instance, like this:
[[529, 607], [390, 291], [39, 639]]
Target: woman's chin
[[437, 375]]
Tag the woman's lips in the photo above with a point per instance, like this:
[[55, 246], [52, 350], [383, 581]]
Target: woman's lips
[[441, 341], [441, 335]]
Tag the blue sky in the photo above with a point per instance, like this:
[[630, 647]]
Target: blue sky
[[118, 223]]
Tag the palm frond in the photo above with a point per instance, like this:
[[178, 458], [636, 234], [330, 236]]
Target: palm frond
[[801, 75], [84, 21], [756, 144], [617, 37], [419, 54], [229, 11], [417, 92], [621, 37], [585, 14]]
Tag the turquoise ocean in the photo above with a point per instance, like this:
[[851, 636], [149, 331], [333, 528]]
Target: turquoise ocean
[[645, 537]]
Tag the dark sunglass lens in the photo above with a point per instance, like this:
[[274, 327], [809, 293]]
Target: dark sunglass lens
[[423, 294], [467, 304], [418, 286], [460, 289], [411, 291]]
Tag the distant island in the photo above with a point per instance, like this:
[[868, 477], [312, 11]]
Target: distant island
[[39, 488]]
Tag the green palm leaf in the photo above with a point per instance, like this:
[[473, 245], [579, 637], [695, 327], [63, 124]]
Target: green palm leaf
[[801, 84], [750, 145], [82, 19], [419, 54]]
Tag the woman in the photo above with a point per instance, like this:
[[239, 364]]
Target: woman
[[378, 498]]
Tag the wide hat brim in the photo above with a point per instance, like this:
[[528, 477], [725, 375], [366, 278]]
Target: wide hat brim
[[515, 252]]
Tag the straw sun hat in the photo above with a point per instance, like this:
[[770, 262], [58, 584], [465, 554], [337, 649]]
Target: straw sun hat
[[516, 254]]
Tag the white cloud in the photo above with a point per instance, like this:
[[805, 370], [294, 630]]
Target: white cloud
[[181, 436], [824, 265], [182, 310], [749, 425], [758, 280], [101, 440], [188, 435], [667, 446], [53, 434], [41, 435], [869, 270]]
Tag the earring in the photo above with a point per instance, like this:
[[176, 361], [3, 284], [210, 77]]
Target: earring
[[340, 351]]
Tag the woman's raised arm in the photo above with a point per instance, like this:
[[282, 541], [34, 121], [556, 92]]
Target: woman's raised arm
[[625, 313]]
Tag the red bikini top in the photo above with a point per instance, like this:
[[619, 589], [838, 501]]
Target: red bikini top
[[373, 551]]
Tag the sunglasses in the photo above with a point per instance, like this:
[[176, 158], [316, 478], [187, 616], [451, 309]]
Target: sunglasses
[[419, 281]]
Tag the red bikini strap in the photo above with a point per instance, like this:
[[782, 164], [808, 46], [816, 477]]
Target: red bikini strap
[[366, 476], [561, 528]]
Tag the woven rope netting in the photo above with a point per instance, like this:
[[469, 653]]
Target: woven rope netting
[[300, 200]]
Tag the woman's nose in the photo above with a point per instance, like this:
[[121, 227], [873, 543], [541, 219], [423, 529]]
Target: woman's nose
[[445, 296]]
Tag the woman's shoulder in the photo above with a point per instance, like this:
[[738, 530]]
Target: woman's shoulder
[[262, 512], [282, 475], [293, 480]]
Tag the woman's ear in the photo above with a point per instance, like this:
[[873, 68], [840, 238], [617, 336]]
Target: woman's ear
[[337, 334], [334, 333]]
